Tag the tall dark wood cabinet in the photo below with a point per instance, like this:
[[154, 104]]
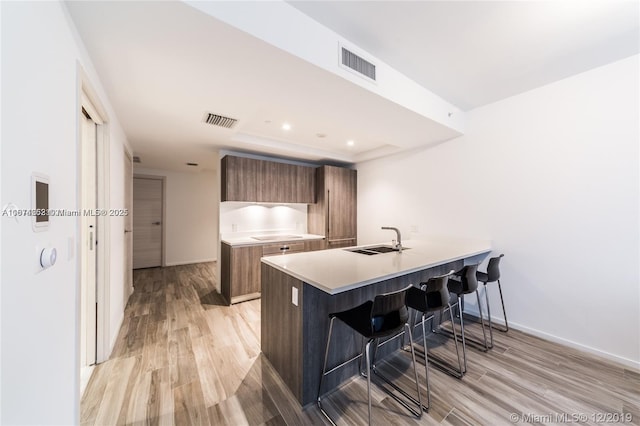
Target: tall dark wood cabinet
[[334, 214]]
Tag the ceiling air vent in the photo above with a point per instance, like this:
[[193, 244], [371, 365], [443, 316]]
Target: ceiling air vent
[[136, 159], [358, 64], [219, 120]]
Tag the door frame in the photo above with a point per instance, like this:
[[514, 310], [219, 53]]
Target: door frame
[[163, 254], [88, 99], [128, 247]]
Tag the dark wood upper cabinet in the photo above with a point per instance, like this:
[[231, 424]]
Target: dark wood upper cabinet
[[245, 179], [334, 214], [277, 183], [239, 179], [305, 189]]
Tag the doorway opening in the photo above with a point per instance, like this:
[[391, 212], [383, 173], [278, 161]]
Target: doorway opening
[[93, 234]]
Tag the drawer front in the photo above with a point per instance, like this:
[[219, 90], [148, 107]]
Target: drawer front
[[282, 248]]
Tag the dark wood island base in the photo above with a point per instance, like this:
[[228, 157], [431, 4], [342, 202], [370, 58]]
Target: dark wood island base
[[294, 336]]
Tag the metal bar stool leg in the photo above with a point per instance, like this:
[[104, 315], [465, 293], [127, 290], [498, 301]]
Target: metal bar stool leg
[[503, 311], [486, 296], [484, 332], [324, 369], [455, 339], [367, 347], [418, 401], [464, 345], [426, 362], [415, 367]]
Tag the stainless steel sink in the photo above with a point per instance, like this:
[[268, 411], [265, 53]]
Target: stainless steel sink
[[370, 251]]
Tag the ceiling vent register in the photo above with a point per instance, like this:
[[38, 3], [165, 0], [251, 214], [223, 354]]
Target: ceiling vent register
[[219, 120], [358, 64]]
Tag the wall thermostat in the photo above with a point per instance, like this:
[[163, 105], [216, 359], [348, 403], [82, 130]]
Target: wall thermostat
[[48, 257], [40, 202]]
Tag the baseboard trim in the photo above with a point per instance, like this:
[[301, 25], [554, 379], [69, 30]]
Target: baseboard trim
[[190, 262], [570, 343], [565, 342]]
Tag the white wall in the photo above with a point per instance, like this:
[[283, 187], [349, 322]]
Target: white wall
[[39, 311], [191, 222], [251, 218], [551, 176]]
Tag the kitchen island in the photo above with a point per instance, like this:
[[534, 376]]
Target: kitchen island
[[300, 290]]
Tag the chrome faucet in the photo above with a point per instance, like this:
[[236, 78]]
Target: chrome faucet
[[398, 245]]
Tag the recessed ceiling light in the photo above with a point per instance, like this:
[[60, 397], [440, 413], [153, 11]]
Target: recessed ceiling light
[[350, 143], [321, 135], [286, 126]]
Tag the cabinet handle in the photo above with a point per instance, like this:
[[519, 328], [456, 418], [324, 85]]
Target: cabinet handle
[[340, 240], [284, 248], [328, 213]]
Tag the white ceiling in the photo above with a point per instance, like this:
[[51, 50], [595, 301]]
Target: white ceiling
[[473, 53], [165, 64]]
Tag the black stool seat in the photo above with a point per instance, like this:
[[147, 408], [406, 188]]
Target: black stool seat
[[427, 301], [482, 276], [372, 326], [386, 315]]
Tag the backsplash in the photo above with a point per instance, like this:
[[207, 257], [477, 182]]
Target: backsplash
[[245, 219]]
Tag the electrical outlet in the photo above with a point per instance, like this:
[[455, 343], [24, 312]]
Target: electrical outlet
[[294, 295], [415, 229]]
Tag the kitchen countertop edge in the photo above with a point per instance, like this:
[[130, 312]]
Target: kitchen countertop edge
[[371, 280], [248, 241]]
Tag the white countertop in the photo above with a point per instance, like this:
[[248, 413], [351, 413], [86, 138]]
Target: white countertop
[[338, 270], [291, 237]]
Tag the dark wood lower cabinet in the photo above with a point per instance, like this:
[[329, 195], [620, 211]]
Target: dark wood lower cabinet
[[240, 273], [313, 245], [240, 266]]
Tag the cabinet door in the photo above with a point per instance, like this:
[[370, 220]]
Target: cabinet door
[[341, 198], [276, 183], [313, 245], [239, 179], [339, 243], [245, 271], [225, 271], [305, 185]]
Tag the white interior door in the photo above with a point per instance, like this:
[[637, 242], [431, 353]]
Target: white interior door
[[88, 253], [128, 227], [147, 222]]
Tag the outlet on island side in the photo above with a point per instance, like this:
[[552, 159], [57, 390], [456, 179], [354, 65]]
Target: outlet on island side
[[294, 295]]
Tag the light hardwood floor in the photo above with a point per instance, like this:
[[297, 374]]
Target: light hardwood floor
[[183, 358]]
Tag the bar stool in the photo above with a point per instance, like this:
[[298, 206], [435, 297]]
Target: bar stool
[[385, 316], [461, 283], [491, 276], [433, 296]]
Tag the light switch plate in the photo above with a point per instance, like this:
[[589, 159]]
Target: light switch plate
[[294, 295]]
